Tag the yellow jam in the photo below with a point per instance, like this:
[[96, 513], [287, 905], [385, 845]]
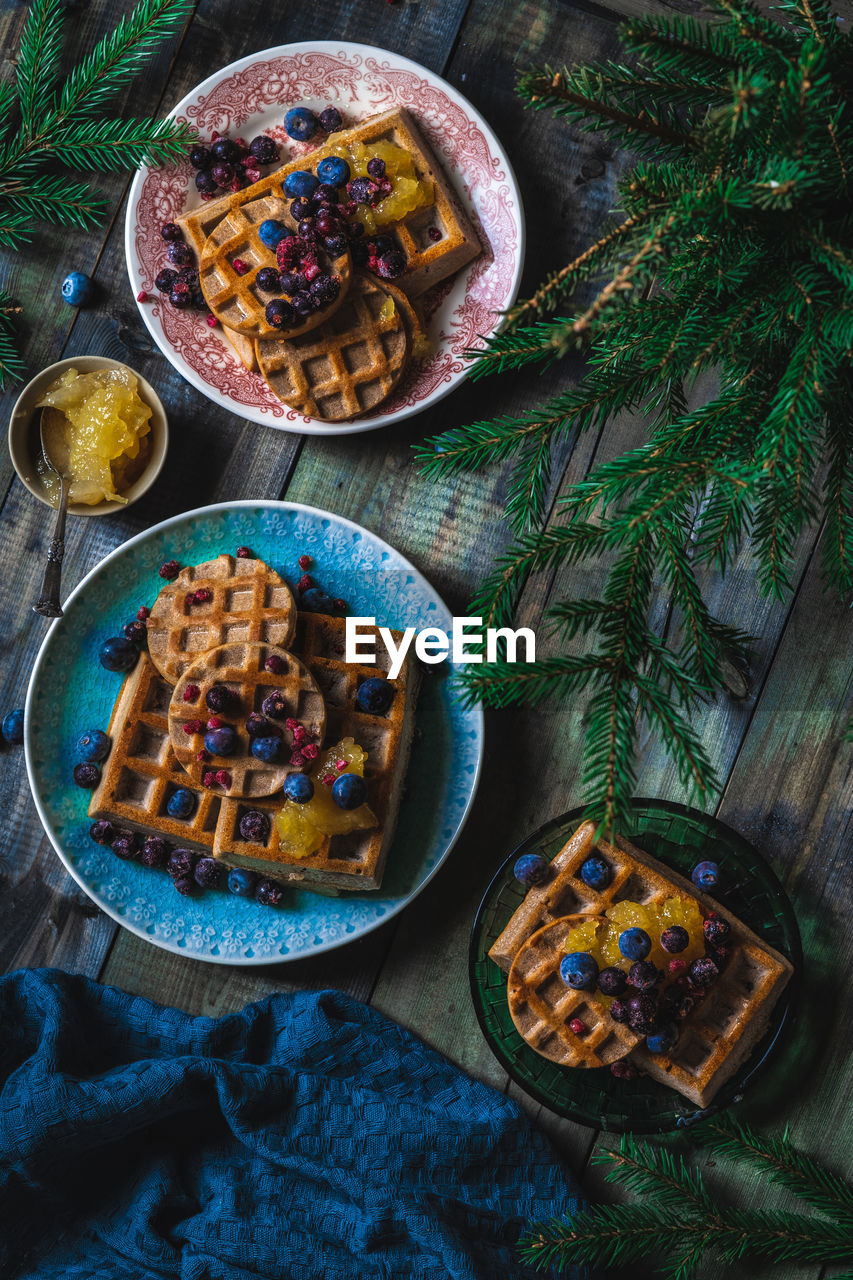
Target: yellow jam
[[406, 194], [102, 427], [302, 827], [601, 939]]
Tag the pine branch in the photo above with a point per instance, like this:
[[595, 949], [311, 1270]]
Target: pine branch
[[11, 364], [112, 145], [38, 58]]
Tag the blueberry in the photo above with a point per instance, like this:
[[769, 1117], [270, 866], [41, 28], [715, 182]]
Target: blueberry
[[579, 970], [300, 183], [374, 696], [266, 749], [180, 298], [77, 289], [642, 1013], [349, 791], [118, 654], [293, 282], [301, 124], [335, 245], [275, 705], [301, 304], [221, 742], [205, 183], [619, 1011], [259, 727], [331, 120], [220, 698], [612, 980], [87, 775], [702, 972], [136, 631], [241, 882], [200, 157], [316, 601], [674, 939], [102, 832], [334, 171], [392, 265], [298, 787], [206, 873], [324, 289], [326, 194], [125, 846], [376, 167], [165, 279], [279, 314], [635, 944], [181, 863], [271, 231], [268, 893], [222, 173], [268, 280], [13, 726], [716, 931], [93, 745], [179, 254], [530, 868], [154, 852], [662, 1040], [643, 976], [361, 190], [255, 826], [705, 874], [225, 149], [596, 873], [263, 149], [185, 885], [181, 803], [301, 208], [171, 231]]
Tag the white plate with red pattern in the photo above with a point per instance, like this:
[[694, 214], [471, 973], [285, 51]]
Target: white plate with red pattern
[[250, 97]]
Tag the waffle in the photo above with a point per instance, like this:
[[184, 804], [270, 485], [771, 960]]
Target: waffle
[[437, 239], [244, 348], [249, 602], [235, 298], [350, 365], [542, 1005], [142, 770], [241, 668], [719, 1035]]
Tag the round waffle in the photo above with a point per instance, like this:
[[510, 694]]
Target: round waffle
[[249, 602], [350, 365], [234, 297], [541, 1005], [241, 668]]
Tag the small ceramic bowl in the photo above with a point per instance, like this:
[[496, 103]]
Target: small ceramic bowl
[[24, 434]]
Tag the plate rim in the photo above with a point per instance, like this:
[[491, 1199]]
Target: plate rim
[[541, 1096], [240, 961], [312, 426]]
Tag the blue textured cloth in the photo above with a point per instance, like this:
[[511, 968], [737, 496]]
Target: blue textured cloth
[[306, 1138]]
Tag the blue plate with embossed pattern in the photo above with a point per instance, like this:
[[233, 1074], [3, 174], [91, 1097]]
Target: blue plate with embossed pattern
[[70, 692]]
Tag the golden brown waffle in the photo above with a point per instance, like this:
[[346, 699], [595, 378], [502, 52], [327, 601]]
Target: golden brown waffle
[[722, 1031], [437, 239], [347, 367], [142, 771], [244, 348], [242, 668], [249, 602], [233, 296], [542, 1006]]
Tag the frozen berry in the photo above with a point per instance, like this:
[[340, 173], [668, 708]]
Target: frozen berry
[[223, 777], [674, 939], [619, 1011], [206, 873], [317, 601], [643, 976], [77, 289], [225, 149], [205, 183], [154, 852], [705, 874], [191, 692], [333, 170], [181, 862], [279, 314], [716, 931], [349, 791], [221, 742], [263, 149], [87, 775], [180, 298], [268, 893], [267, 749], [596, 873], [125, 846], [255, 826], [612, 980], [102, 832], [374, 696], [275, 664], [531, 868], [219, 698], [392, 265], [169, 570], [181, 803], [185, 885], [92, 745], [268, 280], [258, 726], [623, 1070], [300, 124], [298, 787], [300, 185], [662, 1040], [324, 289], [578, 1026], [165, 279], [179, 254], [244, 553], [242, 882], [331, 120], [703, 972], [642, 1013], [579, 971], [118, 654], [677, 1003], [271, 231], [193, 726], [635, 944], [275, 705], [171, 231], [361, 190], [199, 157], [677, 967]]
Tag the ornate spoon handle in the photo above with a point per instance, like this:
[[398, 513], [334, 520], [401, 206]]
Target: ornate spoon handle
[[48, 602]]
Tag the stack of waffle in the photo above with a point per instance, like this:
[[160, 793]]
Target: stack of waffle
[[347, 357], [716, 1038], [246, 621]]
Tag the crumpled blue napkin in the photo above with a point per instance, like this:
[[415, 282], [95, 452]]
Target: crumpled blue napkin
[[306, 1138]]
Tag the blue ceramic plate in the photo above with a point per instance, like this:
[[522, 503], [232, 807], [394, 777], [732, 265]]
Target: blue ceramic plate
[[70, 692]]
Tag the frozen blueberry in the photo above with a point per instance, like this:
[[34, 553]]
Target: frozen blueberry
[[255, 826], [376, 167], [205, 183], [619, 1011], [275, 705], [662, 1040], [181, 803], [361, 190], [102, 832], [219, 698], [674, 939], [300, 184], [221, 742], [206, 873], [333, 170], [705, 874], [267, 749], [180, 298], [702, 972], [643, 976], [181, 863], [136, 632], [331, 120], [118, 654], [259, 727], [579, 970], [93, 745], [300, 124], [298, 787], [13, 726], [642, 1013], [374, 696], [125, 846], [279, 314], [612, 980], [171, 231], [271, 231], [596, 873], [335, 244], [200, 157], [317, 601], [179, 254], [530, 868], [268, 893], [635, 944], [242, 882], [154, 852], [87, 775], [165, 280], [716, 930], [349, 791], [268, 280], [77, 289], [185, 885], [225, 149], [392, 265], [324, 288], [263, 149]]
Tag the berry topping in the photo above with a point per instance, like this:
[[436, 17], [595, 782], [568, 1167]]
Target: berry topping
[[331, 120], [305, 583], [165, 279], [662, 1040], [376, 167], [642, 1013], [674, 939], [334, 171], [703, 972], [225, 149], [275, 705], [268, 893], [92, 745], [223, 778], [619, 1011], [181, 862], [300, 184], [208, 778], [136, 632], [677, 1003], [205, 183], [622, 1069], [635, 944], [180, 297], [181, 803], [179, 254], [185, 885], [199, 157], [125, 846], [191, 692], [193, 726], [268, 749], [221, 742], [102, 832], [257, 726], [362, 190], [263, 149], [349, 791], [206, 873], [142, 296], [240, 266], [255, 826], [271, 231], [310, 751], [275, 664], [268, 280], [300, 124], [579, 970], [596, 873], [612, 980], [644, 976], [220, 698], [720, 955], [324, 289], [578, 1026], [77, 289], [531, 868], [242, 882], [298, 787], [677, 967], [392, 265], [169, 570], [143, 612], [171, 231], [716, 931], [318, 601], [434, 234], [279, 314], [244, 553], [118, 654], [305, 562], [374, 696], [154, 852], [705, 874]]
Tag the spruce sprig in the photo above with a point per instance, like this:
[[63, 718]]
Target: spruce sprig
[[680, 1222], [45, 125], [730, 255]]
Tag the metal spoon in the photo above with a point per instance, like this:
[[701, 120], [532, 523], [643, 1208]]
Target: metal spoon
[[56, 457]]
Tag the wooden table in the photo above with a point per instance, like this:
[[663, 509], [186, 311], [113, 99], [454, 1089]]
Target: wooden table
[[786, 780]]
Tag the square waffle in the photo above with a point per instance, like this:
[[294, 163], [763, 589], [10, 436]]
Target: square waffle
[[142, 770], [437, 239], [719, 1035]]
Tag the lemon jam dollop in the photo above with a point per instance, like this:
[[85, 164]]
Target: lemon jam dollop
[[103, 425], [407, 192], [601, 938], [302, 827]]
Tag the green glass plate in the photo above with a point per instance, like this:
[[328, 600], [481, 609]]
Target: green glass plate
[[680, 838]]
